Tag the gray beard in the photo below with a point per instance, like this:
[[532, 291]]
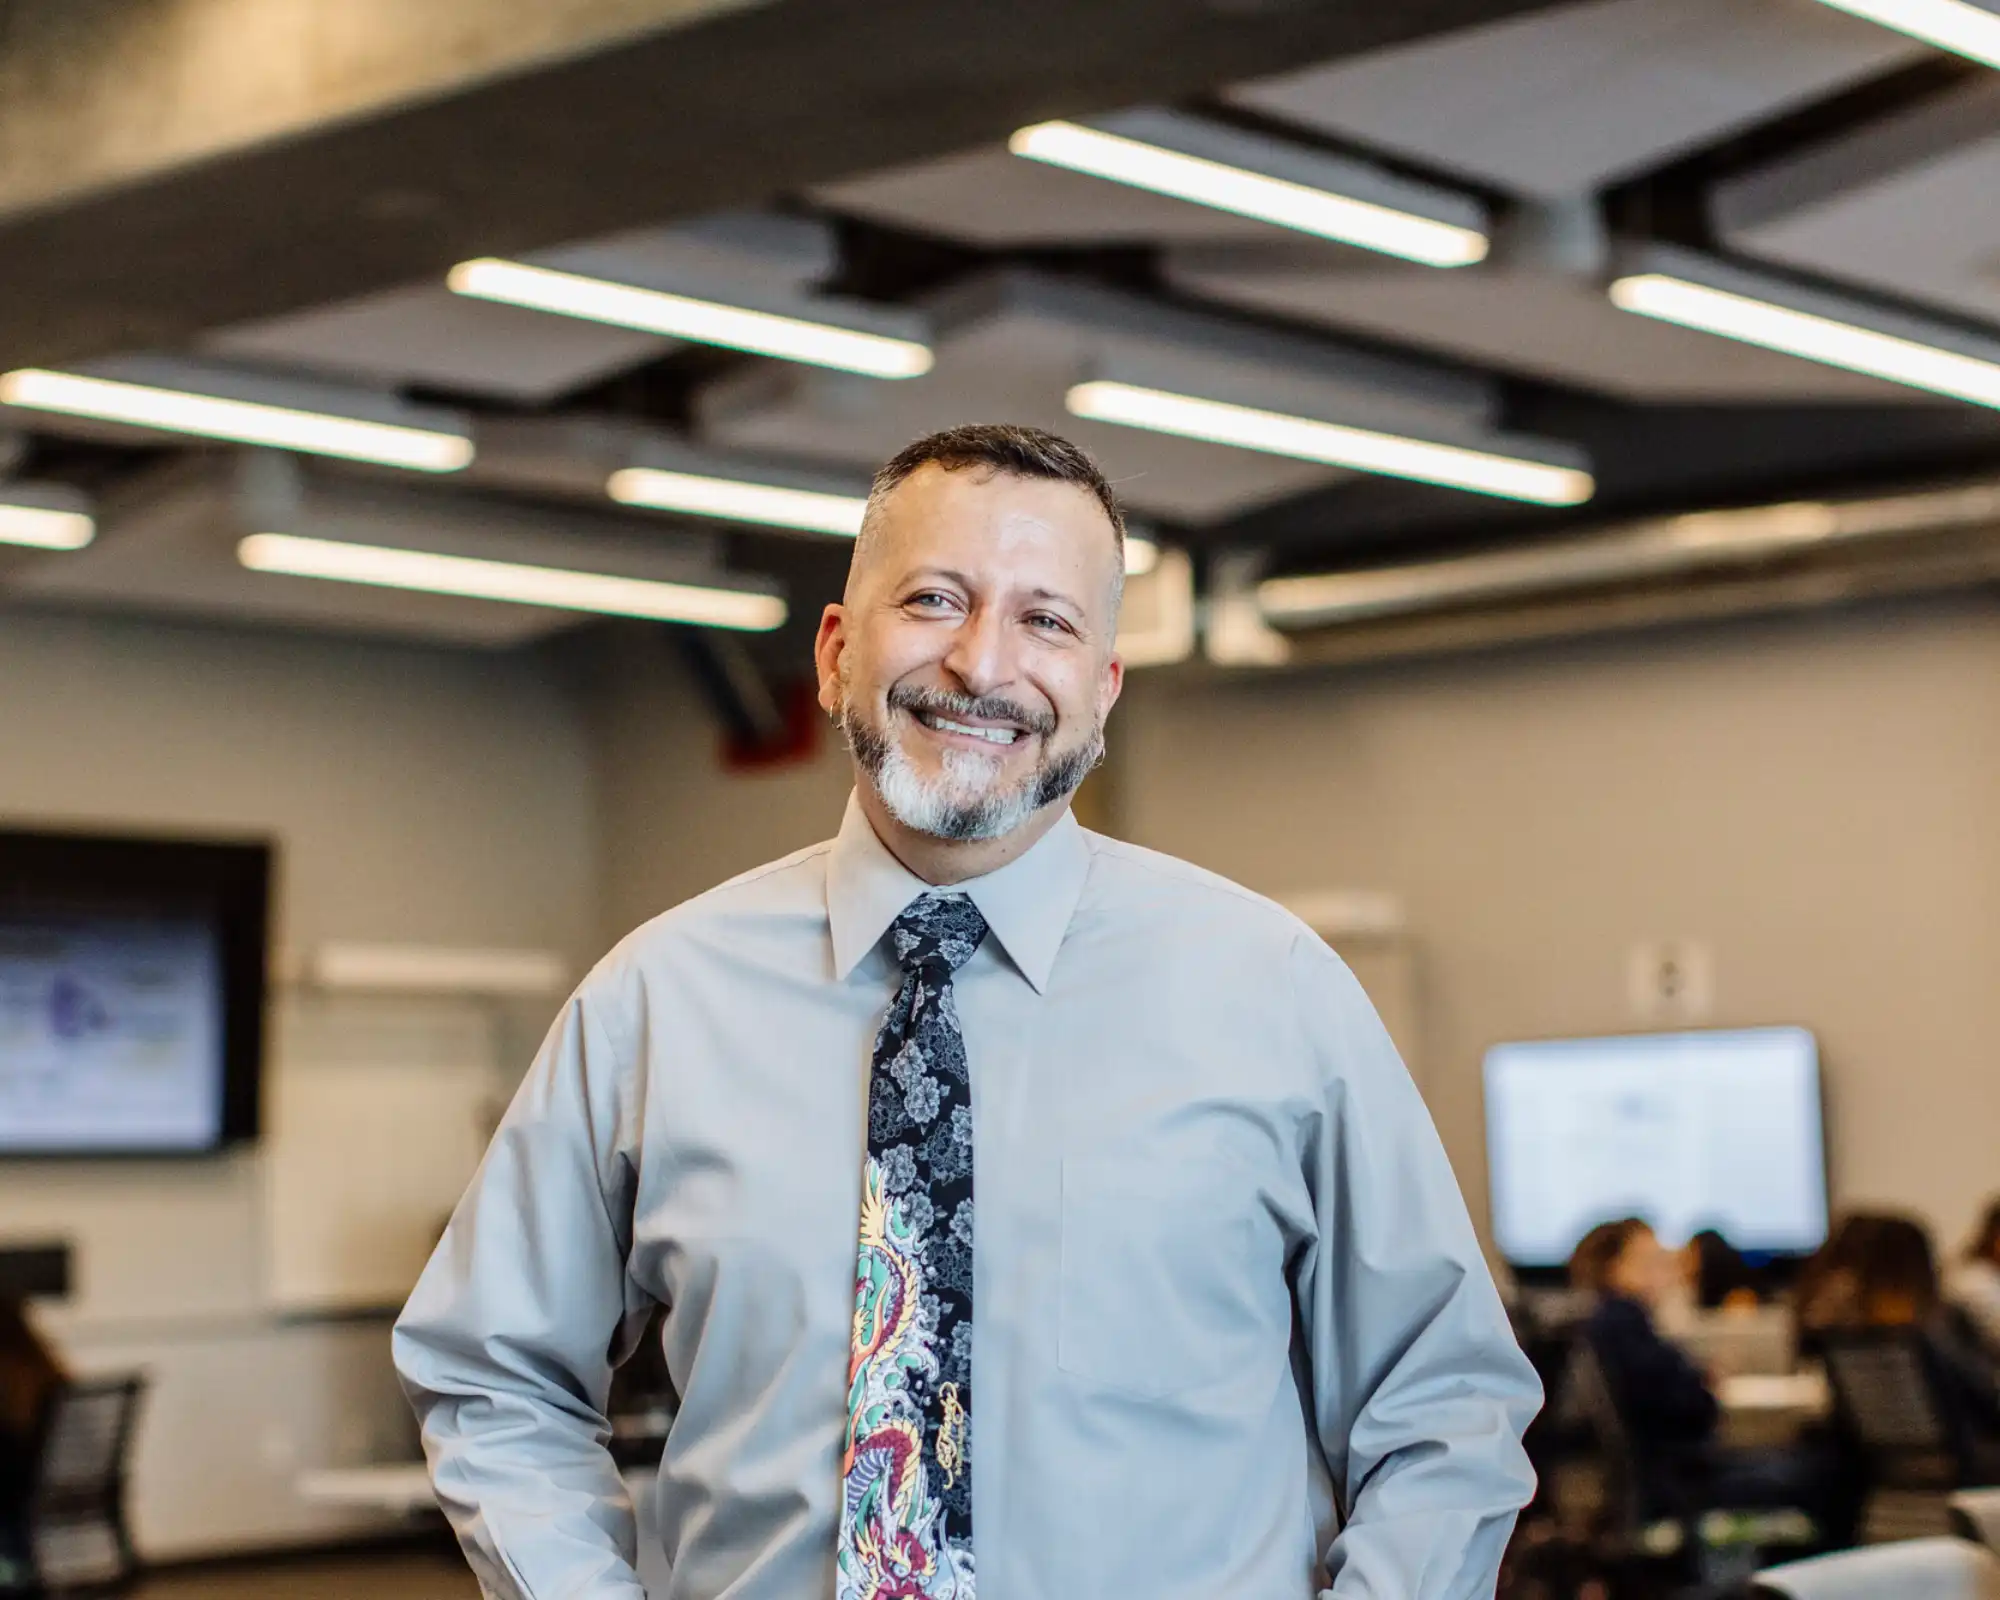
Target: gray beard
[[930, 806]]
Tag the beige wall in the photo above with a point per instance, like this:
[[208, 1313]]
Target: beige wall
[[672, 822], [418, 796], [1818, 799]]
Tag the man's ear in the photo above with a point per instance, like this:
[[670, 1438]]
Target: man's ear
[[828, 647], [1114, 683]]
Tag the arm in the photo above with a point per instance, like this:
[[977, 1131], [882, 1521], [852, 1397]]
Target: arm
[[1662, 1394], [507, 1345], [1419, 1390], [1975, 1289]]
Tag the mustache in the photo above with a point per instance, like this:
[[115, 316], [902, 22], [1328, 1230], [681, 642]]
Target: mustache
[[912, 699]]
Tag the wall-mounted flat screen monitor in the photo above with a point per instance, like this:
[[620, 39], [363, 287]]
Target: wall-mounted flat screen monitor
[[131, 994], [1714, 1129]]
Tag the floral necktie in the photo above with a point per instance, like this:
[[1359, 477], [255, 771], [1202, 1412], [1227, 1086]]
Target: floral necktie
[[906, 1503]]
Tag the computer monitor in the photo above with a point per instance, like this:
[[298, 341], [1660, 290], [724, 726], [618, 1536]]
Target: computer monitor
[[131, 994], [1714, 1129]]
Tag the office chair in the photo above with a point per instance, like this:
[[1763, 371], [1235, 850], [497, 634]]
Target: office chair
[[1714, 1545], [77, 1533], [1911, 1569], [1975, 1514], [1886, 1403]]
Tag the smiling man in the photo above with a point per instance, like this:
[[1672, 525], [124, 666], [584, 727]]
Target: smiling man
[[1217, 1325]]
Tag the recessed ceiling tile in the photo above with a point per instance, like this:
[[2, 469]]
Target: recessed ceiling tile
[[1570, 98]]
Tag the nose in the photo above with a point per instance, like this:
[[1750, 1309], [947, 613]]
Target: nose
[[982, 653]]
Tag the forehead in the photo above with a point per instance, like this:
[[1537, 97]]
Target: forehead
[[977, 510]]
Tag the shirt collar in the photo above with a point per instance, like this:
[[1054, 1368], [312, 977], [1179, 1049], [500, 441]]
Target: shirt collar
[[1027, 903]]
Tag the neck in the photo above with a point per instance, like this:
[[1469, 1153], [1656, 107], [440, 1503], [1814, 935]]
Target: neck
[[942, 862]]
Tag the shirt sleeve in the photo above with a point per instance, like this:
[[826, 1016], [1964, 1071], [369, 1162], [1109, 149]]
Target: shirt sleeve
[[1419, 1391], [507, 1344]]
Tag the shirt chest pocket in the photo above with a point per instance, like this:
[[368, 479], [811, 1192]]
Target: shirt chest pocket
[[1171, 1278]]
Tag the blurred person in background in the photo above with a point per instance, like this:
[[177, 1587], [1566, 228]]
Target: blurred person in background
[[1663, 1399], [1722, 1279], [1667, 1403], [30, 1375], [1974, 1286], [1827, 1293], [1888, 1278]]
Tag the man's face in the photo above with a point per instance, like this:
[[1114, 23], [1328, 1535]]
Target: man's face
[[971, 662]]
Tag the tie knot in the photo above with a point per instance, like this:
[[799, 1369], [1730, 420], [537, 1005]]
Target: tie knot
[[937, 930]]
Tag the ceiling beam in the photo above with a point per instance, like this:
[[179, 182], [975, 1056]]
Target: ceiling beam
[[171, 167]]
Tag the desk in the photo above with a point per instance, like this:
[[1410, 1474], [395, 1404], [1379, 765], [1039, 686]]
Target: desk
[[401, 1487], [1769, 1408], [1758, 1343]]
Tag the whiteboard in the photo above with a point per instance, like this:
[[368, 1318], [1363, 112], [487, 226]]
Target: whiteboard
[[377, 1113]]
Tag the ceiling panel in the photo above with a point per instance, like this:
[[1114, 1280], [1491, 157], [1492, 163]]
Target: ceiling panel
[[1537, 324], [1571, 98], [424, 334], [1909, 205], [995, 199], [429, 336], [1011, 345], [168, 544], [175, 554]]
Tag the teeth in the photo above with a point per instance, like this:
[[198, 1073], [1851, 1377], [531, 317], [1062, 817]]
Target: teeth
[[991, 735]]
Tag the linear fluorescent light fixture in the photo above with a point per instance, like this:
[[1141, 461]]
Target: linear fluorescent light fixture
[[1335, 444], [736, 500], [253, 422], [680, 316], [512, 582], [1142, 554], [44, 517], [1959, 26], [1716, 298], [1149, 150]]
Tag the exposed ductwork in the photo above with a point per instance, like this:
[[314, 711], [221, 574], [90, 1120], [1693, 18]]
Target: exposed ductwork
[[1649, 571]]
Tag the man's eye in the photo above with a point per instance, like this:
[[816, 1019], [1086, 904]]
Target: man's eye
[[1045, 619]]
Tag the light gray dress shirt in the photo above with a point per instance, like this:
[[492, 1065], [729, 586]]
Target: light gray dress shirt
[[1234, 1336]]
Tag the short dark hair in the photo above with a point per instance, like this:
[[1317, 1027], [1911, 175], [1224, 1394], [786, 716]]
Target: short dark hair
[[1009, 447], [1598, 1251]]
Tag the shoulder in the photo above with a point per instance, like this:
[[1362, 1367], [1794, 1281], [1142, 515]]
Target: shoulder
[[1162, 896], [772, 901], [1622, 1321], [1211, 931]]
